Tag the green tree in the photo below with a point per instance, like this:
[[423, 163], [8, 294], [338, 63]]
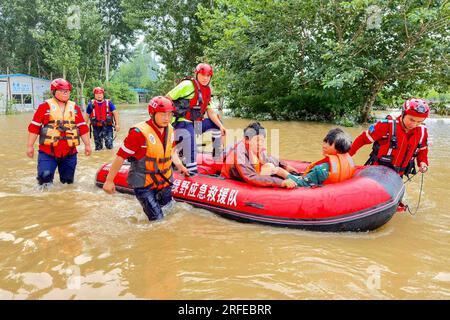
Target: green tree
[[118, 35], [19, 52], [140, 71], [71, 44], [325, 59], [171, 28]]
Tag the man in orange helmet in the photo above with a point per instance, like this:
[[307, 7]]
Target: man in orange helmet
[[60, 126], [398, 142], [103, 116], [192, 97], [149, 148]]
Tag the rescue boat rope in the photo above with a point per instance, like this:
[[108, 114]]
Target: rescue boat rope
[[420, 196]]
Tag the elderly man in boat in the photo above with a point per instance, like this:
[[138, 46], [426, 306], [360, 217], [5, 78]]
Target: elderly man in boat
[[249, 162]]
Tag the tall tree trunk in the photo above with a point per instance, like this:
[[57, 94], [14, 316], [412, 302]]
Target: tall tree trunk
[[81, 81], [101, 70], [370, 100], [107, 57]]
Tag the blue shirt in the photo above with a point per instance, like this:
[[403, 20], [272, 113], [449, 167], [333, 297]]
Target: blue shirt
[[90, 106]]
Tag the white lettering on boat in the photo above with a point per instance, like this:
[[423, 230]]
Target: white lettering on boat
[[205, 192]]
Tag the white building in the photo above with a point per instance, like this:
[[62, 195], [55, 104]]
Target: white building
[[26, 91]]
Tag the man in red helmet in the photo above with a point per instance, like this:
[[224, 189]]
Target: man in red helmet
[[398, 142], [103, 116], [60, 126], [149, 148], [192, 97]]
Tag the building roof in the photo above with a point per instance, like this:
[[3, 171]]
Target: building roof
[[20, 75]]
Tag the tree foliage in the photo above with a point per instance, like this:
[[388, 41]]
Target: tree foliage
[[291, 59]]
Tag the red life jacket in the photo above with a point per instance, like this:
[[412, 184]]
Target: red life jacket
[[398, 149], [101, 115], [195, 108], [341, 167]]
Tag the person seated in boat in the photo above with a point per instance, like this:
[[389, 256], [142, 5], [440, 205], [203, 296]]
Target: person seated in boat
[[336, 166], [247, 161]]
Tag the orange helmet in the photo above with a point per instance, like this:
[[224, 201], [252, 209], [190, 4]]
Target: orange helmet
[[60, 84], [160, 104], [204, 69], [98, 90]]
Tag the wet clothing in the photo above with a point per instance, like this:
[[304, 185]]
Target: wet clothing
[[47, 165], [41, 118], [153, 201], [103, 134], [135, 148], [100, 114], [313, 178], [241, 164], [396, 153]]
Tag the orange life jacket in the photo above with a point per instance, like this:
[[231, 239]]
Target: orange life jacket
[[60, 126], [230, 160], [341, 167], [154, 170]]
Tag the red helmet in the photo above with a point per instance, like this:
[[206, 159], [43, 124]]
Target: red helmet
[[204, 69], [416, 108], [60, 84], [160, 104], [98, 90]]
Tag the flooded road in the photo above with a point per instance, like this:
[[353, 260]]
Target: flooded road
[[77, 242]]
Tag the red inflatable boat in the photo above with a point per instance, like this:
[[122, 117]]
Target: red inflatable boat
[[365, 202]]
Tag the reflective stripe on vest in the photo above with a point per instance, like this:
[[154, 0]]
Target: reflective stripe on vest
[[157, 162], [60, 127]]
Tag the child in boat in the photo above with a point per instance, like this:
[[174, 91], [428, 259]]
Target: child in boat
[[336, 166]]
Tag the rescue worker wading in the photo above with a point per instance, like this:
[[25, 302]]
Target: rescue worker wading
[[149, 148], [398, 142], [60, 126], [192, 98], [103, 116]]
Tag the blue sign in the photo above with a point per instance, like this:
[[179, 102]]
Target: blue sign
[[18, 87]]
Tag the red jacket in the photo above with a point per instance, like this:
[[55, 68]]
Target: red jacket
[[407, 142], [41, 118]]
